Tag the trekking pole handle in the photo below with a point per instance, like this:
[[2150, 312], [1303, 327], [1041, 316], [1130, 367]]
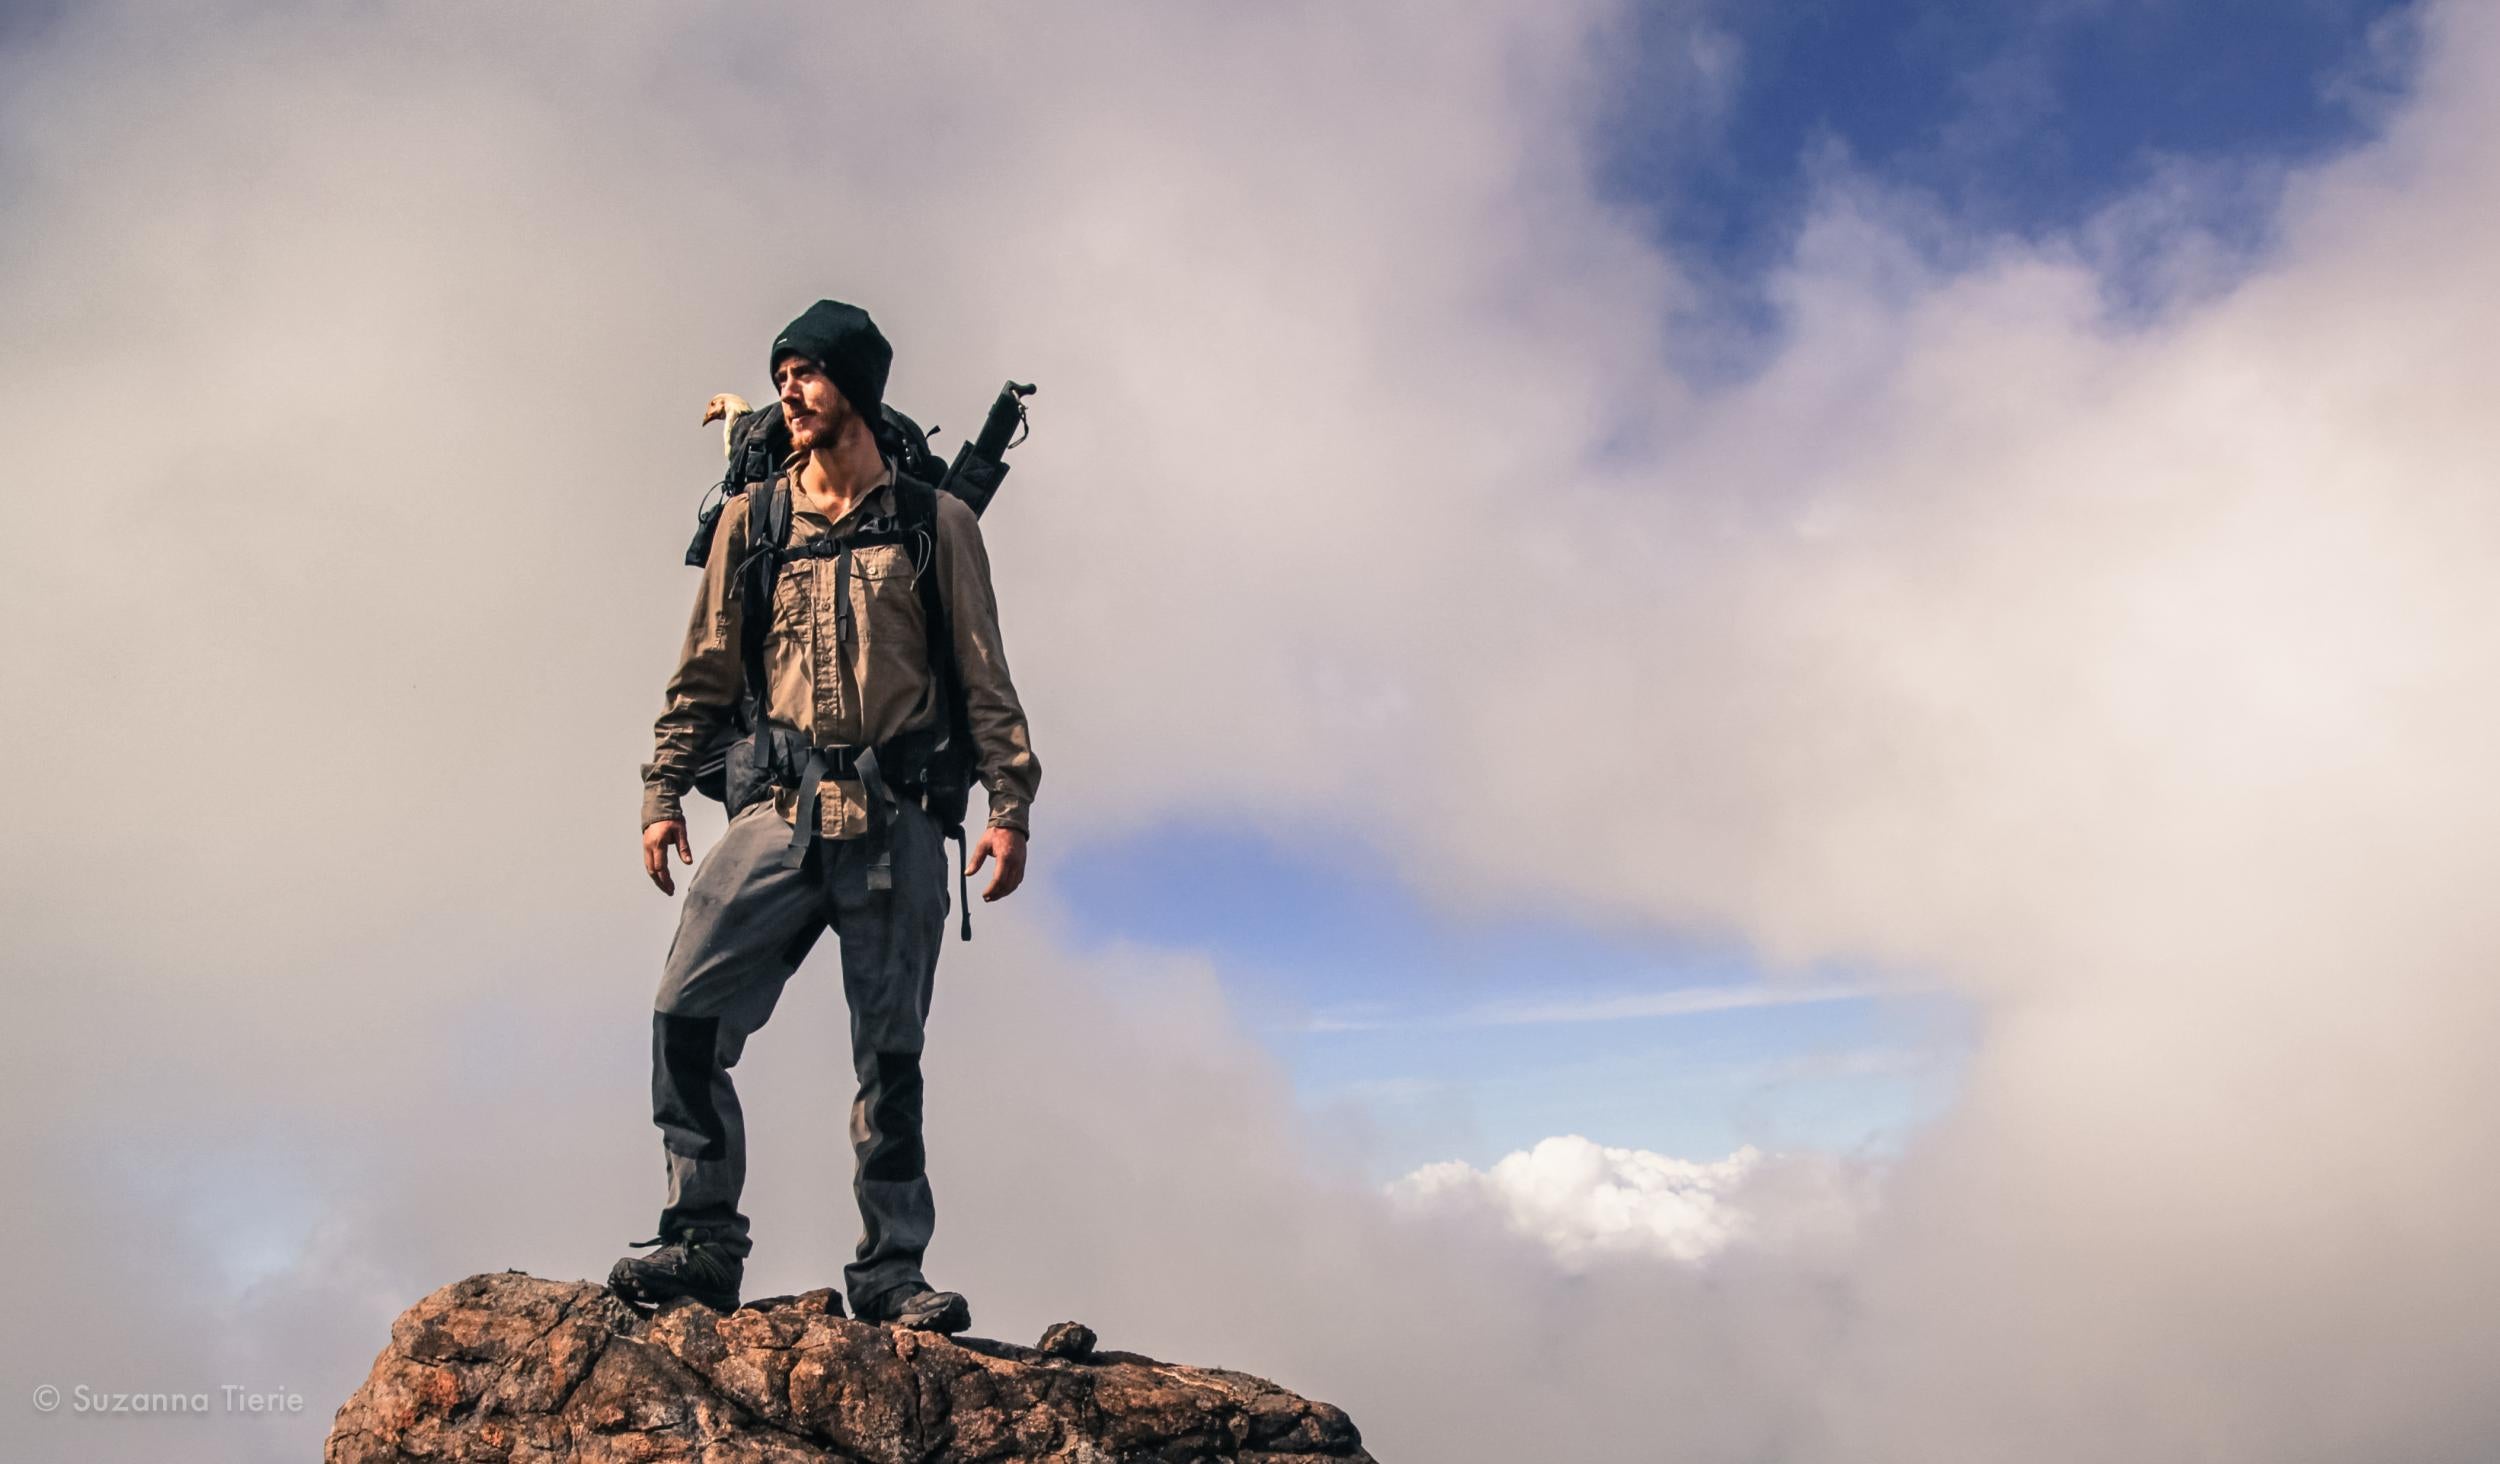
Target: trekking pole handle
[[1006, 415]]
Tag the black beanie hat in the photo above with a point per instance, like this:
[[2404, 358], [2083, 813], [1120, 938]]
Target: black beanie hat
[[847, 346]]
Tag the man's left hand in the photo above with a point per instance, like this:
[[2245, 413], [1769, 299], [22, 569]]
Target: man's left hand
[[1008, 845]]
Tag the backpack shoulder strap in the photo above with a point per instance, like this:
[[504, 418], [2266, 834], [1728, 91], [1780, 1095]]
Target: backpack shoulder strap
[[916, 506], [771, 494], [768, 534]]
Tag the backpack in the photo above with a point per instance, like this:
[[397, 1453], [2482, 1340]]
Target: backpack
[[745, 759]]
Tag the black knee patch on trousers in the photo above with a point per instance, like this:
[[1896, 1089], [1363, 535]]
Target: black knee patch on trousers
[[895, 1150], [689, 1058]]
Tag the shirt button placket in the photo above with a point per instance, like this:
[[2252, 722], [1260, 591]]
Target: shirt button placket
[[826, 660], [827, 667]]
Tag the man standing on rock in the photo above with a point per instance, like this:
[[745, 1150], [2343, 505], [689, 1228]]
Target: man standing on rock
[[814, 633]]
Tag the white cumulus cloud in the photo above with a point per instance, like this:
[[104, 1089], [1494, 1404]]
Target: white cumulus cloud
[[1584, 1200]]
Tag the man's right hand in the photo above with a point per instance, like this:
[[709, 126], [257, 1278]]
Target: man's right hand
[[655, 844]]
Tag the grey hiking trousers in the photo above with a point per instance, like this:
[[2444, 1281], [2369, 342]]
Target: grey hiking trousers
[[749, 919]]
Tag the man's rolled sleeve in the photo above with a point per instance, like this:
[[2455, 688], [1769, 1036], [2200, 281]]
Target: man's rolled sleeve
[[1001, 742], [704, 689]]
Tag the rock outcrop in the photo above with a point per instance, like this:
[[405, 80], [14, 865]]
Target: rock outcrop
[[517, 1370]]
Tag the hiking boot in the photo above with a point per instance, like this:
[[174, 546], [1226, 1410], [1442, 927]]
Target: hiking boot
[[693, 1263], [921, 1310]]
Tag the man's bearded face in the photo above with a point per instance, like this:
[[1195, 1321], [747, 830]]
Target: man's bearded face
[[813, 405]]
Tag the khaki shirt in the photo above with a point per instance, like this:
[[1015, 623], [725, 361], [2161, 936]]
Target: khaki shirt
[[882, 688]]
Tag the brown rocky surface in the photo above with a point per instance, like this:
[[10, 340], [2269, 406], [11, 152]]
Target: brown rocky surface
[[516, 1370]]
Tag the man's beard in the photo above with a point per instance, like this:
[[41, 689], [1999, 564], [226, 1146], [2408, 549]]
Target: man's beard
[[811, 430]]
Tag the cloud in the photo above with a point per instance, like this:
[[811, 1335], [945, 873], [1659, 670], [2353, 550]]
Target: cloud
[[1682, 1001], [1581, 1200], [2129, 678]]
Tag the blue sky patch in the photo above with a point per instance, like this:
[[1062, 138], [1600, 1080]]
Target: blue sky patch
[[1447, 1034], [2024, 119]]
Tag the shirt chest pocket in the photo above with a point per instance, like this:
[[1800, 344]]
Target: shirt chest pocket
[[794, 596], [884, 590]]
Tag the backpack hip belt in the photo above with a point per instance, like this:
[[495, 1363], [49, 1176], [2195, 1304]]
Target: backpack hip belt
[[904, 761]]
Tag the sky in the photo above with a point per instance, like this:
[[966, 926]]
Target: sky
[[2028, 122], [1763, 726]]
